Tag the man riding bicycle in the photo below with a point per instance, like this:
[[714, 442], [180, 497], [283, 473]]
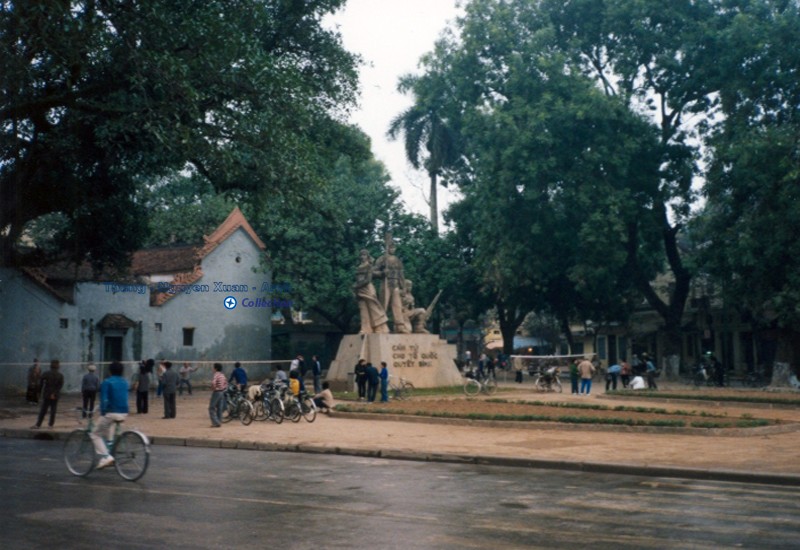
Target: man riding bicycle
[[113, 408]]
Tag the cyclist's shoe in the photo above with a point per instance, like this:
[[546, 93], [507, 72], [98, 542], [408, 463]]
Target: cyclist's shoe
[[105, 462]]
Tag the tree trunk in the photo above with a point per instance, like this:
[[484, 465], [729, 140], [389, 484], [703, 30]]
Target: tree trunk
[[434, 203]]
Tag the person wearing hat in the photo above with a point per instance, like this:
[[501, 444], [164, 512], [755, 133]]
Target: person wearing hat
[[89, 386], [51, 384]]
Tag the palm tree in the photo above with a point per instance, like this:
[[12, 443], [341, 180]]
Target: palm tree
[[424, 124]]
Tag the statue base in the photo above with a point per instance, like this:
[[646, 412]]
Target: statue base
[[423, 359]]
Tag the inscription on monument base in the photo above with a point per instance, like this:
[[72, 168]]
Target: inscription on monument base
[[409, 356]]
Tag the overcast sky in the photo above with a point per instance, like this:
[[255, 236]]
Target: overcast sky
[[391, 36]]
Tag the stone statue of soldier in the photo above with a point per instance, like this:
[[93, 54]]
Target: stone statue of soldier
[[389, 268], [371, 310]]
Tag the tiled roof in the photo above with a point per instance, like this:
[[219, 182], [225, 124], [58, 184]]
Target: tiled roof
[[182, 262], [165, 259]]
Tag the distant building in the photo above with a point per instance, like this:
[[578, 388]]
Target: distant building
[[171, 305]]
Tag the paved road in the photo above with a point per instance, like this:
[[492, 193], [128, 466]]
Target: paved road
[[215, 498]]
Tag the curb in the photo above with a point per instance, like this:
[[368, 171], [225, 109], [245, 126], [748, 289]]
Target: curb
[[710, 403], [737, 476]]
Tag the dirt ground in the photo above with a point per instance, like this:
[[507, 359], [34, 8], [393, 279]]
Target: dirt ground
[[463, 408]]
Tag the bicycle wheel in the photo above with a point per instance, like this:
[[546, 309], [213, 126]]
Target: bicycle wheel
[[407, 390], [228, 411], [293, 412], [259, 410], [539, 384], [557, 385], [246, 413], [79, 455], [472, 388], [490, 386], [278, 412], [131, 455], [309, 409]]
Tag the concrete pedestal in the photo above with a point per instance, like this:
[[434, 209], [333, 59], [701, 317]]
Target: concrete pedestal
[[423, 359]]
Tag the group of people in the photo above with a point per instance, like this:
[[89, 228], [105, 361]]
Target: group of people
[[637, 375], [368, 378]]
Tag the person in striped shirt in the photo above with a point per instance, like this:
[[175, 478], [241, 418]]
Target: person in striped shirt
[[218, 387]]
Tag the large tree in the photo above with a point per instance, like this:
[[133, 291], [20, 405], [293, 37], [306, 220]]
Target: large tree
[[751, 221], [98, 97], [426, 125], [554, 170]]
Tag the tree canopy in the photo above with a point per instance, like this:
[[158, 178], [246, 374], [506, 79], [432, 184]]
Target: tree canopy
[[99, 97]]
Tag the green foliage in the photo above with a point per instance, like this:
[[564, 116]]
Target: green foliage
[[99, 98], [751, 220]]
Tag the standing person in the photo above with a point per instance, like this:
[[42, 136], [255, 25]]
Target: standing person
[[586, 370], [142, 389], [625, 373], [360, 371], [218, 387], [651, 371], [574, 376], [50, 388], [113, 408], [373, 378], [160, 375], [34, 380], [186, 373], [90, 384], [611, 376], [295, 365], [316, 371], [238, 376], [384, 375], [518, 371], [170, 380]]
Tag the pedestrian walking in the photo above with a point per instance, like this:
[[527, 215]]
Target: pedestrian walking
[[651, 372], [217, 402], [612, 375], [170, 380], [90, 384], [50, 389], [625, 373]]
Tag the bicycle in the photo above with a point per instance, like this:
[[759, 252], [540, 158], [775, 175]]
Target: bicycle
[[402, 389], [473, 386], [269, 406], [130, 449], [548, 380], [237, 406]]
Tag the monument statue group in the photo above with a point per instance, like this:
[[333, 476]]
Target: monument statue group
[[396, 295], [393, 327]]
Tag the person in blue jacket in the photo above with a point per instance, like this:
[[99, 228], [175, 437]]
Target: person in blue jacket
[[384, 374], [113, 408], [372, 382], [238, 377]]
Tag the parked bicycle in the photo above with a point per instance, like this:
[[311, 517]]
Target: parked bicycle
[[401, 388], [270, 405], [237, 406], [473, 385], [548, 380], [130, 449]]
